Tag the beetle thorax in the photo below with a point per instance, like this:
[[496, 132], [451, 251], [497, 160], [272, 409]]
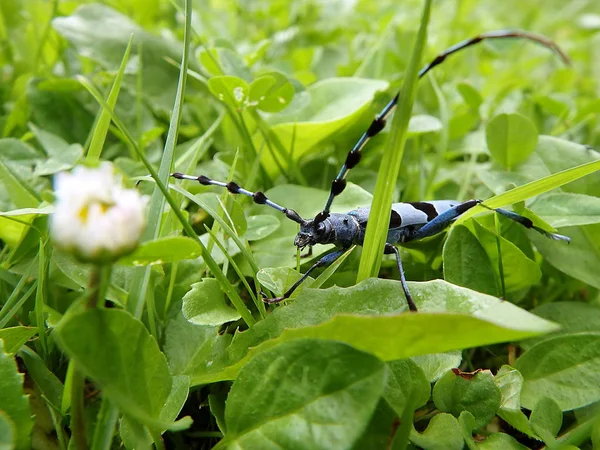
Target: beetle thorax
[[338, 229]]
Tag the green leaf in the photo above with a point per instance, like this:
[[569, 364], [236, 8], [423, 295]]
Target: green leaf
[[279, 280], [319, 393], [329, 106], [170, 411], [232, 91], [223, 61], [368, 317], [500, 441], [470, 95], [85, 29], [563, 209], [565, 368], [376, 232], [442, 433], [510, 383], [422, 124], [580, 258], [163, 250], [188, 346], [21, 194], [261, 226], [271, 92], [8, 432], [573, 317], [467, 425], [117, 352], [205, 304], [60, 155], [511, 138], [49, 385], [436, 365], [558, 157], [14, 338], [519, 271], [406, 386], [103, 119], [13, 403], [476, 393], [546, 419], [467, 264]]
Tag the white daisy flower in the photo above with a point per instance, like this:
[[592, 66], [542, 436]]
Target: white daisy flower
[[95, 217]]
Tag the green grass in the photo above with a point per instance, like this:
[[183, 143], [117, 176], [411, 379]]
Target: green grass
[[171, 346]]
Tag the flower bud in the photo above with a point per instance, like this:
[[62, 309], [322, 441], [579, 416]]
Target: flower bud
[[95, 217]]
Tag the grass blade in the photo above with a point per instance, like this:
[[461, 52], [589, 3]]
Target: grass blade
[[379, 217], [141, 278], [103, 122]]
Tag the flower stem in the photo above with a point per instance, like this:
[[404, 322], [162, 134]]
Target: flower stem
[[99, 282], [105, 425], [77, 409]]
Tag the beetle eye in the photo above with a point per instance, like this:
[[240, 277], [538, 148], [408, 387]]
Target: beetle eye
[[321, 228]]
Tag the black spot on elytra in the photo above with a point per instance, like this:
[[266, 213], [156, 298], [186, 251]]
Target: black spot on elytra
[[395, 220], [427, 208]]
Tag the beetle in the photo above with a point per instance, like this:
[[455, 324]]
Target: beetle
[[408, 221]]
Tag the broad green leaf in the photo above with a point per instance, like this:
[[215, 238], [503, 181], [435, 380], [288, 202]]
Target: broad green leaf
[[232, 91], [510, 383], [163, 250], [573, 317], [47, 382], [21, 193], [279, 280], [118, 352], [170, 411], [558, 169], [470, 95], [467, 425], [332, 105], [224, 61], [434, 366], [467, 264], [271, 92], [60, 154], [511, 138], [422, 124], [8, 432], [518, 271], [216, 403], [377, 433], [14, 338], [261, 226], [565, 368], [369, 316], [546, 419], [318, 394], [85, 29], [442, 433], [13, 403], [500, 441], [188, 346], [565, 209], [578, 259], [475, 392], [205, 304], [406, 386]]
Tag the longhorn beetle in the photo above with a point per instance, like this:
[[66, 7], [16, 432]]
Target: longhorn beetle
[[408, 221]]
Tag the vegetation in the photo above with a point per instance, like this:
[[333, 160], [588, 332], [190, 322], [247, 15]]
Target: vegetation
[[170, 344]]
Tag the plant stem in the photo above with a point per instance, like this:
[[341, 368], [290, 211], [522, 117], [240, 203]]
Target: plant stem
[[105, 426], [77, 409]]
